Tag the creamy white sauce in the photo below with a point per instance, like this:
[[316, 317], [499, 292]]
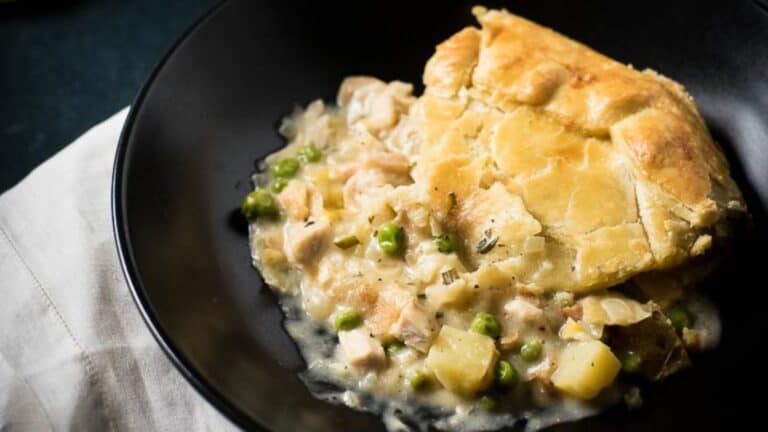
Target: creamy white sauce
[[323, 379], [307, 289]]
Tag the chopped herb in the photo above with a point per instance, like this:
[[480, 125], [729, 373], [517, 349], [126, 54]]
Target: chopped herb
[[449, 276], [309, 223], [346, 242], [487, 243]]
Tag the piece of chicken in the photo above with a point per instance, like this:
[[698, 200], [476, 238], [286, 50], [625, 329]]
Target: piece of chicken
[[360, 350], [305, 240], [294, 200], [523, 311], [415, 327]]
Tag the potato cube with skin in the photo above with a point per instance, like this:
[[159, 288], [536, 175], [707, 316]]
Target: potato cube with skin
[[462, 361], [585, 368], [360, 350]]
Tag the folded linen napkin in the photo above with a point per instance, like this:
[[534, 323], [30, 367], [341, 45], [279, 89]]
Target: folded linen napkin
[[75, 354]]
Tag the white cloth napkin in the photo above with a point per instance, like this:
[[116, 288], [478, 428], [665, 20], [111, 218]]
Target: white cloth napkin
[[75, 354]]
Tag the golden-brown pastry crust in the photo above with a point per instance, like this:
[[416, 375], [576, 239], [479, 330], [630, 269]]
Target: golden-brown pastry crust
[[452, 65], [616, 164]]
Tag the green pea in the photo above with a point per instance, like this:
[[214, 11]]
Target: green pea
[[395, 347], [258, 203], [417, 379], [286, 168], [681, 318], [487, 324], [346, 320], [631, 362], [391, 238], [309, 154], [531, 350], [279, 184], [488, 403], [505, 375], [448, 243]]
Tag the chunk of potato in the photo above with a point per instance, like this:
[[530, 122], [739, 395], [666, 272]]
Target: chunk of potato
[[455, 294], [585, 368], [462, 361]]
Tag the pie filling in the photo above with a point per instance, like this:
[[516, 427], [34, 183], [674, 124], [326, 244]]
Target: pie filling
[[463, 261]]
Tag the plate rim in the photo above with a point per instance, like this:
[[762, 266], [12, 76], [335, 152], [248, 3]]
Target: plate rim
[[125, 252]]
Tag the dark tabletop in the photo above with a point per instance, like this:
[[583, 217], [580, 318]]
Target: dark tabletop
[[66, 65]]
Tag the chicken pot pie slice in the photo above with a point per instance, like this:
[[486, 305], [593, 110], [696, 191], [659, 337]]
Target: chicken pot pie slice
[[511, 244], [616, 164]]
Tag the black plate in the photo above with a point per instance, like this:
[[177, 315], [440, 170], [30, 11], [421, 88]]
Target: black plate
[[210, 109]]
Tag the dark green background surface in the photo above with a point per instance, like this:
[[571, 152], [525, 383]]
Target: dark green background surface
[[66, 65]]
